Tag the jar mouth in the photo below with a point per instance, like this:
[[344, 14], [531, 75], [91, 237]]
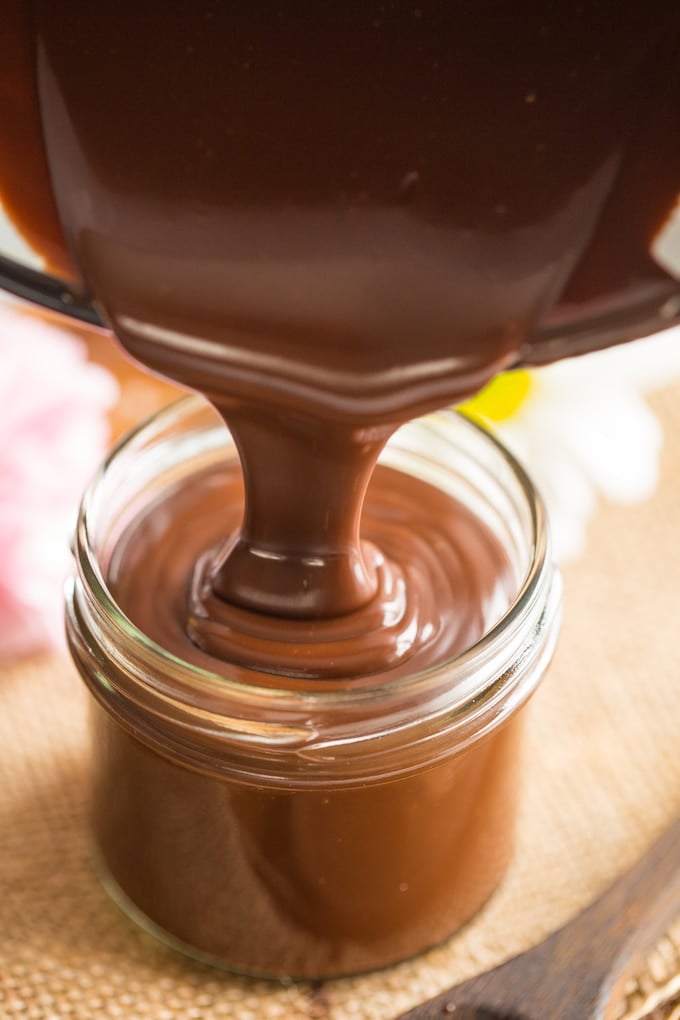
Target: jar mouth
[[469, 693]]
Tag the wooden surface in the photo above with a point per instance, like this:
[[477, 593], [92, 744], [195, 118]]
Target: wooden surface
[[579, 972]]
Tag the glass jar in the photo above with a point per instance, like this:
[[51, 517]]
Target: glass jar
[[306, 832]]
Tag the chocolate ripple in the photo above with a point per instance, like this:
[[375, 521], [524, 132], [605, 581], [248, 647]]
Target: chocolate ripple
[[443, 581]]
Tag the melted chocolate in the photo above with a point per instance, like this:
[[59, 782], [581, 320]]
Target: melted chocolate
[[444, 581], [330, 219], [305, 882]]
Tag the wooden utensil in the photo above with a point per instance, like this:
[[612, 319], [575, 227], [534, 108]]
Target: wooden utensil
[[576, 973]]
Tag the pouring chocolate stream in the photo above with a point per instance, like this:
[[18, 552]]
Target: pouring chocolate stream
[[330, 221]]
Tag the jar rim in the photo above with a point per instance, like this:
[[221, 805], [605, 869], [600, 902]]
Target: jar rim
[[512, 654]]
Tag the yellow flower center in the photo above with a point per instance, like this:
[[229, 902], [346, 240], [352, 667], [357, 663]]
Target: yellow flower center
[[500, 399]]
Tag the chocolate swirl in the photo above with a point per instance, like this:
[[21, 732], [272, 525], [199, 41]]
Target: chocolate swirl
[[443, 580]]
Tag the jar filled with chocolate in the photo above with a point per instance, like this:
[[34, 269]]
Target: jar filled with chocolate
[[298, 811]]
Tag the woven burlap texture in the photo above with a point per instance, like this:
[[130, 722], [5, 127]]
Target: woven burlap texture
[[602, 778]]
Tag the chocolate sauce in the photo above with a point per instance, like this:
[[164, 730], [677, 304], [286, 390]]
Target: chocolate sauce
[[444, 581], [305, 882], [329, 879], [323, 802], [329, 220]]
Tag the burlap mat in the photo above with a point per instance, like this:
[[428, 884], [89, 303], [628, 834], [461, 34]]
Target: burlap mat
[[603, 778]]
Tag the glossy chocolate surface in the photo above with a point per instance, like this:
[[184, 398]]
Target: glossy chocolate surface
[[332, 218], [329, 218], [305, 882], [444, 581]]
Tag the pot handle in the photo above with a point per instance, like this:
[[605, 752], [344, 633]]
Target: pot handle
[[47, 291]]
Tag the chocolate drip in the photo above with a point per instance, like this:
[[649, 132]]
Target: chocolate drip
[[298, 551], [331, 219], [443, 580]]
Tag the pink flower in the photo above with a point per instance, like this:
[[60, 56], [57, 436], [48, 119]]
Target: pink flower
[[53, 431]]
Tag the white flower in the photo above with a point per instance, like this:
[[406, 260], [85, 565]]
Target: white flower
[[583, 429]]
